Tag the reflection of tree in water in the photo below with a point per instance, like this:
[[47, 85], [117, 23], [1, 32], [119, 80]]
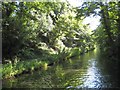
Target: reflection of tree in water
[[91, 74], [109, 72]]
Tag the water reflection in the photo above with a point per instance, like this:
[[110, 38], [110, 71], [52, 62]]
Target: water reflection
[[81, 72], [92, 78]]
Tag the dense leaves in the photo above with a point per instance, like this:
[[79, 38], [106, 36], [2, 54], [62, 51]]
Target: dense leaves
[[35, 29], [107, 35], [54, 32], [109, 27]]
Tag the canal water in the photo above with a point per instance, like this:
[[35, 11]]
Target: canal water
[[86, 71]]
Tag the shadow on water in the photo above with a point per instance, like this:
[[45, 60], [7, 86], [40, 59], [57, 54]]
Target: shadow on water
[[86, 71]]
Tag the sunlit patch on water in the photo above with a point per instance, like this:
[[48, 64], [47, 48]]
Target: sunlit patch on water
[[93, 78], [85, 72]]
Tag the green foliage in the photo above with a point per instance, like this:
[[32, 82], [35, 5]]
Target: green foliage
[[75, 52], [31, 24], [108, 32], [63, 54], [41, 30], [10, 70]]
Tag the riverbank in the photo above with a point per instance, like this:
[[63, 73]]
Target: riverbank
[[20, 67], [85, 71], [13, 70]]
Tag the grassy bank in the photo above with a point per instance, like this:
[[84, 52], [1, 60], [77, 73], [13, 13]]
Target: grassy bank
[[11, 70], [26, 66]]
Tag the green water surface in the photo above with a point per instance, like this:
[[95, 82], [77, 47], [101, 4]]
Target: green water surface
[[85, 71]]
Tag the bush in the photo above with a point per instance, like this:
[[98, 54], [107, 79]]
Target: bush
[[75, 52], [10, 70]]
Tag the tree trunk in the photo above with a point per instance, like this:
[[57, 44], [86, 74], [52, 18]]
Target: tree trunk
[[106, 22]]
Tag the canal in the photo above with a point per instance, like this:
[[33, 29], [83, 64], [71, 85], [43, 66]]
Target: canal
[[86, 71]]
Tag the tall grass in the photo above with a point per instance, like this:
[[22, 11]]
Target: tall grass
[[10, 70]]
